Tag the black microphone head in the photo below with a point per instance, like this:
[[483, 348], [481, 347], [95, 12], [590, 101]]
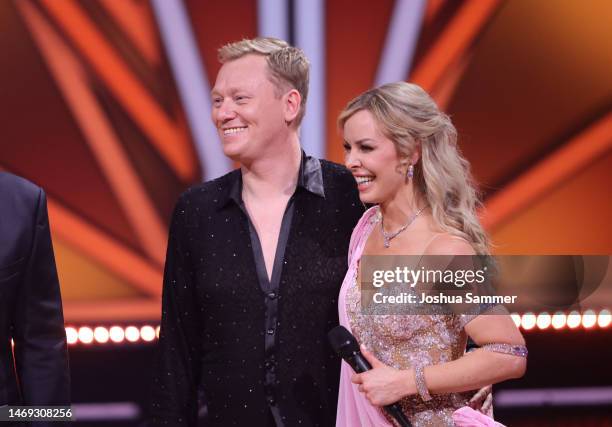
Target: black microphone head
[[343, 342]]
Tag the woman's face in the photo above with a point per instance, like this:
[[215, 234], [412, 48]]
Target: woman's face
[[372, 158]]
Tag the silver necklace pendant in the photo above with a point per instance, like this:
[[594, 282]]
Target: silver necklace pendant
[[387, 237]]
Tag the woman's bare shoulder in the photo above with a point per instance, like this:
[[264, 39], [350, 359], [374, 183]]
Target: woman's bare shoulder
[[448, 244]]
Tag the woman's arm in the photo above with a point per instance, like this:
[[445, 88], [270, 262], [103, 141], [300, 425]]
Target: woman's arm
[[384, 385], [482, 366]]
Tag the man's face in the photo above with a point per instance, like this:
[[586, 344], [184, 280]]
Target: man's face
[[248, 114]]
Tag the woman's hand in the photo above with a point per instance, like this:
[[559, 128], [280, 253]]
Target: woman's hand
[[383, 385]]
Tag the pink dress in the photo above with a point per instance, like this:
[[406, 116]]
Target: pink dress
[[398, 341]]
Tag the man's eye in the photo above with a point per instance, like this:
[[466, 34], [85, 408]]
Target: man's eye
[[217, 101]]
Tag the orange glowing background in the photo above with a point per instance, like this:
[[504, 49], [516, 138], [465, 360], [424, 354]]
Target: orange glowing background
[[91, 112]]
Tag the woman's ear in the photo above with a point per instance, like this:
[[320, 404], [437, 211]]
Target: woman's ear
[[416, 156], [292, 105], [413, 158]]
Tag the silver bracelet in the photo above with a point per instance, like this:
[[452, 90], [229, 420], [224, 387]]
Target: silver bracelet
[[513, 349], [421, 386]]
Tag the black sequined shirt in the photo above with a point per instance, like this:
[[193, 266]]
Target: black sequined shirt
[[236, 348]]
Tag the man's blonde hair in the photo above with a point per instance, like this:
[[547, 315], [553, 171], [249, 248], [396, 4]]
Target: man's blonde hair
[[289, 67]]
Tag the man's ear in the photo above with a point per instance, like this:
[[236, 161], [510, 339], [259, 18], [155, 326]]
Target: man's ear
[[292, 105]]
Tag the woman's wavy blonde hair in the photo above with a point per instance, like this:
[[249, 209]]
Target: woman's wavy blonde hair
[[408, 116]]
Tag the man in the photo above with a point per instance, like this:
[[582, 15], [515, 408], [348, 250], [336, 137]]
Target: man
[[255, 260], [30, 301]]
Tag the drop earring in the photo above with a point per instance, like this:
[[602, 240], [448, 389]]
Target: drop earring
[[409, 173]]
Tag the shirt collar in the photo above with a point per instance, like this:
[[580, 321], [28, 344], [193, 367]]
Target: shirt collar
[[310, 178]]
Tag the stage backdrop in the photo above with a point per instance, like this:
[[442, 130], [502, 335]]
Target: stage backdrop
[[105, 104]]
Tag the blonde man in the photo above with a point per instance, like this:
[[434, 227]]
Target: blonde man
[[255, 260]]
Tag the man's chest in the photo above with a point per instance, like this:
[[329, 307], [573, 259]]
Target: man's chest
[[267, 222], [223, 255]]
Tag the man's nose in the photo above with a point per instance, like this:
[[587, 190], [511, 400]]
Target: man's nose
[[225, 112]]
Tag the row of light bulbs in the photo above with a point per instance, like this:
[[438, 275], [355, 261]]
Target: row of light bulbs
[[113, 334], [588, 320], [527, 321]]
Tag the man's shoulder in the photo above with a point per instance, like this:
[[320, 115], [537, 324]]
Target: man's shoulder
[[341, 190], [202, 199], [211, 190], [334, 168], [338, 178], [336, 173]]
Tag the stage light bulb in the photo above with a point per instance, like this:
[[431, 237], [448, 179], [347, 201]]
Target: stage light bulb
[[132, 334], [543, 320], [101, 334], [558, 320], [589, 319], [147, 333], [86, 335], [528, 320], [604, 319], [573, 320], [72, 336], [116, 334]]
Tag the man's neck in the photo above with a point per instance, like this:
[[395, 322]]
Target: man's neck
[[274, 175]]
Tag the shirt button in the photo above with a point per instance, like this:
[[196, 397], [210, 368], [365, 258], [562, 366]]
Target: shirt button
[[270, 331], [271, 401]]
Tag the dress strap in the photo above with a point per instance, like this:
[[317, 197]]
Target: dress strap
[[430, 241]]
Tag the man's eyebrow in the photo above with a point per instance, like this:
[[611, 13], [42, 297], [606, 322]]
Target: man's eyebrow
[[231, 91]]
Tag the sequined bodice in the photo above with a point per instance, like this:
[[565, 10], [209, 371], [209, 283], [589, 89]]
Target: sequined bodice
[[402, 341]]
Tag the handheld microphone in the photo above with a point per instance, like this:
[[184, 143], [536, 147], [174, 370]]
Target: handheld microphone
[[346, 346]]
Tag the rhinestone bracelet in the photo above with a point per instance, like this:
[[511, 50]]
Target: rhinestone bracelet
[[421, 386], [513, 349]]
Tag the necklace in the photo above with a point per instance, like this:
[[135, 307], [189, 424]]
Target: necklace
[[390, 236]]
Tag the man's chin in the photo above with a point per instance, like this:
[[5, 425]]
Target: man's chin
[[233, 151]]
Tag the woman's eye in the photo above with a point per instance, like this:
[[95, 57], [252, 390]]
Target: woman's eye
[[346, 147], [366, 148]]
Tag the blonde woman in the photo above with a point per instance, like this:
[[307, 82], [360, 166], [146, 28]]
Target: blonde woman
[[403, 154]]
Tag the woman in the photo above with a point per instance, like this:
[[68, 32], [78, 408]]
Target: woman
[[402, 151]]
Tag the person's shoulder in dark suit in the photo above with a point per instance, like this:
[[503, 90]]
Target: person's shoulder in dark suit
[[18, 195], [30, 303]]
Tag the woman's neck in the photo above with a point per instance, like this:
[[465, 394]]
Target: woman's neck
[[402, 206]]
